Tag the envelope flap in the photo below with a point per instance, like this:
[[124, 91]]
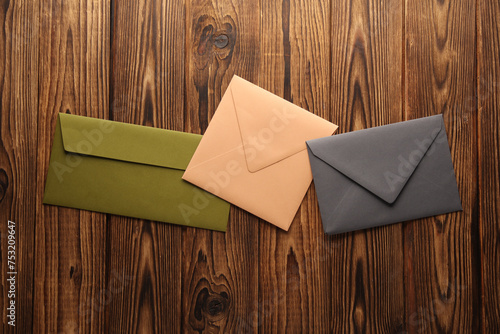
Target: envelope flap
[[272, 128], [127, 142], [380, 159]]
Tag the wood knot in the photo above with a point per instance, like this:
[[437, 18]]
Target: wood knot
[[216, 305], [213, 38], [221, 41], [75, 274], [210, 305], [440, 224], [4, 183]]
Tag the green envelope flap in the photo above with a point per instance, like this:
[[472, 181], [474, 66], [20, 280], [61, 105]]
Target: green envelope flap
[[127, 142]]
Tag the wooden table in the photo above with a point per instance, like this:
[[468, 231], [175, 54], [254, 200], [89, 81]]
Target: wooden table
[[166, 64]]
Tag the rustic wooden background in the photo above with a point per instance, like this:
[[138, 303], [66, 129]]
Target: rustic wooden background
[[166, 63]]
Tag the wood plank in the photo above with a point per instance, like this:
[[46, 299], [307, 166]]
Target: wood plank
[[488, 100], [432, 275], [19, 22], [366, 89], [294, 266], [147, 89], [220, 270], [70, 244], [442, 268]]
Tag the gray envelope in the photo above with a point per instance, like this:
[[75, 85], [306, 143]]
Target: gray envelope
[[384, 175]]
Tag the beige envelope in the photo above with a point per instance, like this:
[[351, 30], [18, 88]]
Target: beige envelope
[[254, 155]]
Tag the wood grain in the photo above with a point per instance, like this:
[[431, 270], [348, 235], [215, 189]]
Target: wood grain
[[488, 100], [294, 266], [166, 64], [147, 88], [19, 43], [220, 270], [442, 275], [367, 266], [70, 244]]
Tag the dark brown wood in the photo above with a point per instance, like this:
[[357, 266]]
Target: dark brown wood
[[68, 276], [441, 271], [70, 244], [488, 100], [166, 64], [367, 266], [19, 43], [294, 266], [220, 270], [147, 89]]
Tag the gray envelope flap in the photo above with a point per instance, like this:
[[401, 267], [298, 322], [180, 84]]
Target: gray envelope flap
[[380, 159]]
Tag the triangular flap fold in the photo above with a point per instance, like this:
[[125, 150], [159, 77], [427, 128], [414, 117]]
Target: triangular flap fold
[[381, 159], [272, 128], [127, 142]]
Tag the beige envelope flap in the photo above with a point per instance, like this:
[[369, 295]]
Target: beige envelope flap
[[271, 128]]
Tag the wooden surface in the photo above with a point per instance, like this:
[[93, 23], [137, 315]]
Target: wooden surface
[[166, 64]]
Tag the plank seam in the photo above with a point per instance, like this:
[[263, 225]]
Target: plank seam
[[478, 245]]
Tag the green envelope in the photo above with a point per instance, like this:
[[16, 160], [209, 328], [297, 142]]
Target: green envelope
[[128, 170]]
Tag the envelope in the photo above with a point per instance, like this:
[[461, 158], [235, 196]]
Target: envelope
[[128, 170], [384, 175], [253, 153]]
